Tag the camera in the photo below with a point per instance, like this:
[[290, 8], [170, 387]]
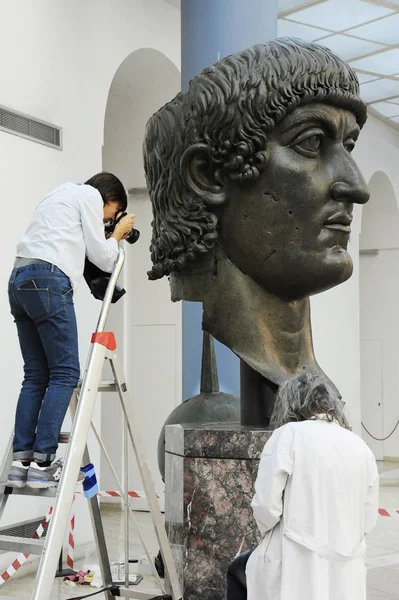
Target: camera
[[96, 279], [132, 237]]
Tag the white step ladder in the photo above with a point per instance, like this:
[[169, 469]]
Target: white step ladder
[[103, 347]]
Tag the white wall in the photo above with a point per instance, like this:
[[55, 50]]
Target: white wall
[[57, 62], [335, 322], [335, 314], [144, 82], [153, 348], [147, 321], [379, 323]]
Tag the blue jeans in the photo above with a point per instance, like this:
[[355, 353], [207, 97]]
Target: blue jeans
[[41, 301]]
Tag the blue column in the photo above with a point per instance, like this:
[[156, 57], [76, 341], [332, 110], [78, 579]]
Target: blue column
[[210, 30]]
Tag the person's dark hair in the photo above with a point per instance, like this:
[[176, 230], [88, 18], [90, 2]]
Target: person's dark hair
[[110, 188], [303, 397], [231, 106]]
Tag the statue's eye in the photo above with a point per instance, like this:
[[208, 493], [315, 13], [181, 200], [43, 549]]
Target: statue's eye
[[349, 144], [309, 144]]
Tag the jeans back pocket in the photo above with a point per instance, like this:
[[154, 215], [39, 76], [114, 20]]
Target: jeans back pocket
[[35, 300]]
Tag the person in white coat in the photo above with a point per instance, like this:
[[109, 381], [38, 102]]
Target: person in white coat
[[316, 499]]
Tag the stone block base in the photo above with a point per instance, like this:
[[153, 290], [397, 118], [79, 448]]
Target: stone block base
[[210, 473]]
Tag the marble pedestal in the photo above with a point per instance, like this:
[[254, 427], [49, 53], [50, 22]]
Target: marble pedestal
[[210, 472]]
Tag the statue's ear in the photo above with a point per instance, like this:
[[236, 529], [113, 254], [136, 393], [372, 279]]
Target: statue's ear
[[200, 176]]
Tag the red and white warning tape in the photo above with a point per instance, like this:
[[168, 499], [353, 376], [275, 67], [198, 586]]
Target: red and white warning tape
[[388, 512], [131, 494], [71, 540], [21, 558]]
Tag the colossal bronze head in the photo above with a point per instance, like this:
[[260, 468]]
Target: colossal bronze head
[[256, 157], [252, 184]]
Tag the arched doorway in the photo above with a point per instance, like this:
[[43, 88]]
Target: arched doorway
[[379, 322], [147, 323]]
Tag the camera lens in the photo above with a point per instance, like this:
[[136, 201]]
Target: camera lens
[[133, 236]]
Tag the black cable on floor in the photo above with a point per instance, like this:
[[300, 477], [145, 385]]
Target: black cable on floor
[[116, 589], [115, 592]]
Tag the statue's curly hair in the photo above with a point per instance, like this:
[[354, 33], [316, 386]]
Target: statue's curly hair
[[231, 107]]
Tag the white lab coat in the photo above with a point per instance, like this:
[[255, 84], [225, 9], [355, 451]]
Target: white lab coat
[[316, 498]]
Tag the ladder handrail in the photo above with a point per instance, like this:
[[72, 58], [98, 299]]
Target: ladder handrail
[[110, 290]]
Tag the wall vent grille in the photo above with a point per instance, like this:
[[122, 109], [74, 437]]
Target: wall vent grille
[[30, 128]]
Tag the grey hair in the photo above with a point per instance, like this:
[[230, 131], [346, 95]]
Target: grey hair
[[303, 397]]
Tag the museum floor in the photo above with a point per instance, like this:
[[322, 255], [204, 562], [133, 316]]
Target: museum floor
[[382, 553]]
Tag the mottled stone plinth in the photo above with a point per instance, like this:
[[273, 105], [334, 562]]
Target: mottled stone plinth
[[210, 473]]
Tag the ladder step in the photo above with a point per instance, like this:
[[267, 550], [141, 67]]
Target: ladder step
[[106, 385], [27, 491], [9, 543]]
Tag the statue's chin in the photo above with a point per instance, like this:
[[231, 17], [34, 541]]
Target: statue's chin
[[338, 270], [341, 265], [313, 278]]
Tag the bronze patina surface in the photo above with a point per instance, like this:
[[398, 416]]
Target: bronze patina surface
[[252, 184]]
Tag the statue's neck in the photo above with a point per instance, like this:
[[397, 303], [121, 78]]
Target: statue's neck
[[272, 335]]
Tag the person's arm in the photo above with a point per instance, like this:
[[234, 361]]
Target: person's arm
[[100, 251], [371, 508], [274, 468]]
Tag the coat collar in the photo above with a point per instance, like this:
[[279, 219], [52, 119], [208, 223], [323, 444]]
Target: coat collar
[[323, 417]]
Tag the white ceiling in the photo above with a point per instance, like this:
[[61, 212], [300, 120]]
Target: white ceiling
[[363, 32]]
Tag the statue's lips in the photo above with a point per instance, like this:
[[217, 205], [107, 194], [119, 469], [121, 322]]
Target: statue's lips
[[339, 227], [339, 222]]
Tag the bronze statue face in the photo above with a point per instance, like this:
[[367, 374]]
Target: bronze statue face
[[289, 228], [227, 158]]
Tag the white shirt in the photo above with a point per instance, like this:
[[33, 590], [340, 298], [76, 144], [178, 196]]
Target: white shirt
[[316, 499], [67, 225]]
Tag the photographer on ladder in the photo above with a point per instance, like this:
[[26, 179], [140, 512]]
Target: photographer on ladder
[[67, 226]]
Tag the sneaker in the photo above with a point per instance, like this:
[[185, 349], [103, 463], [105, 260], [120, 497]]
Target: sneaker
[[17, 475], [44, 477]]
